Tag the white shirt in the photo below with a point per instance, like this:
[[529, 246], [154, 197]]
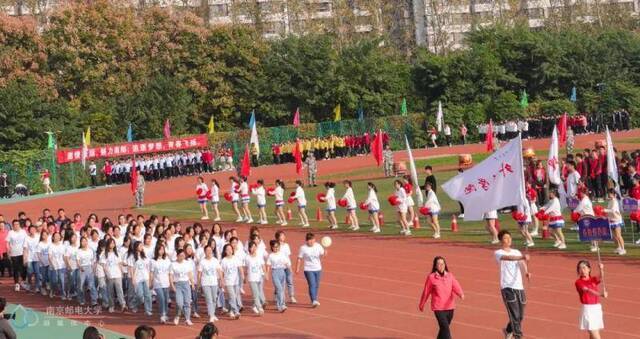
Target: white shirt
[[490, 215], [401, 196], [56, 256], [234, 195], [85, 257], [552, 208], [432, 202], [204, 188], [112, 267], [31, 244], [573, 179], [180, 270], [302, 200], [71, 252], [261, 195], [585, 207], [279, 194], [613, 212], [230, 268], [43, 253], [351, 199], [447, 130], [311, 256], [141, 267], [330, 198], [93, 170], [255, 267], [215, 193], [244, 190], [278, 260], [372, 200], [160, 269], [510, 276], [15, 242], [209, 269]]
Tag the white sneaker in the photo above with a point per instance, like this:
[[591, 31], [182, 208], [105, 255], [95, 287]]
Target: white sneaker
[[334, 227], [188, 323], [377, 230], [216, 219], [17, 288], [436, 236], [407, 233], [250, 221], [305, 225], [315, 304], [356, 228], [402, 231], [255, 310], [535, 234], [204, 217], [163, 320], [638, 242], [239, 220], [461, 215], [293, 300], [594, 249], [562, 246], [284, 223], [176, 321], [494, 241], [279, 222], [195, 315], [530, 244], [111, 309], [557, 243], [263, 222], [622, 252], [148, 314], [213, 319]]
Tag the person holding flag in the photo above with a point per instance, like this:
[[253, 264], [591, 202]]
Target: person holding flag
[[588, 291]]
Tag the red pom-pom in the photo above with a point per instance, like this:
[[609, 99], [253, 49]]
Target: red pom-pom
[[599, 211], [199, 191], [408, 187], [364, 206], [253, 186], [321, 197], [342, 202], [634, 216], [291, 200], [542, 216], [209, 195], [518, 216], [293, 194], [393, 200], [424, 210], [271, 191], [575, 216], [227, 196]]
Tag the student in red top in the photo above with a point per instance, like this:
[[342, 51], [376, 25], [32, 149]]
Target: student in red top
[[588, 291], [442, 286], [634, 192]]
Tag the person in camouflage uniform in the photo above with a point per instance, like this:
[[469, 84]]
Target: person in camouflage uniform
[[570, 140], [312, 168], [387, 156], [140, 191]]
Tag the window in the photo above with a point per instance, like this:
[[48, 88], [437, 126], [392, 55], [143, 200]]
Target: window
[[220, 10]]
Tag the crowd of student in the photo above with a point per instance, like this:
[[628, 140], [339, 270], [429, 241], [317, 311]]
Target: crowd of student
[[129, 262]]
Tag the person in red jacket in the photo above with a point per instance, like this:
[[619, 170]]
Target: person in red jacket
[[443, 287], [588, 291], [634, 192]]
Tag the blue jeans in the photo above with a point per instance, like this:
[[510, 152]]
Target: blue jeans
[[85, 275], [114, 289], [43, 276], [57, 279], [72, 282], [103, 294], [289, 275], [128, 289], [33, 268], [142, 295], [194, 299], [163, 301], [211, 297], [233, 294], [279, 281], [257, 291], [313, 279], [183, 299], [221, 299]]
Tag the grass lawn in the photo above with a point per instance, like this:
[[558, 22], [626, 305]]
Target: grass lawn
[[470, 231]]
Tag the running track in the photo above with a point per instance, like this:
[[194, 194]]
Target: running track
[[371, 285]]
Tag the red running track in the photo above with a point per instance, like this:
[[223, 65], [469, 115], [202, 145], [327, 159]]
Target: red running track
[[371, 285]]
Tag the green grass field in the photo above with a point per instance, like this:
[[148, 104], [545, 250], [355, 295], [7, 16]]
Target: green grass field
[[469, 232]]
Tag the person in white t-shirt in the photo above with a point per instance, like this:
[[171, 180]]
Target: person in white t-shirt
[[277, 263], [182, 281], [351, 205], [573, 179], [400, 204], [31, 258], [616, 222], [160, 268], [245, 198], [85, 259], [140, 272], [433, 206], [15, 246], [71, 263], [202, 191], [235, 197], [254, 262], [43, 258], [231, 269], [490, 220], [111, 263], [373, 206], [261, 201], [285, 249], [512, 266], [57, 266], [215, 199], [300, 197], [278, 194], [310, 254], [209, 276], [330, 200]]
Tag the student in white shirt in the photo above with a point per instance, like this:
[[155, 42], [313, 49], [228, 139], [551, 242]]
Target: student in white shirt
[[556, 222], [278, 194], [85, 259], [490, 218], [277, 263], [285, 249], [235, 197], [239, 253], [15, 247], [433, 205], [512, 266], [245, 198], [111, 262], [524, 215], [140, 271], [261, 200], [585, 207], [573, 179], [408, 188], [182, 281], [190, 257], [202, 191], [31, 258], [209, 276], [101, 277], [160, 268], [400, 197], [351, 205], [231, 268], [43, 258], [215, 199], [300, 197], [373, 205], [254, 262], [57, 266], [615, 220], [310, 254], [330, 200], [70, 260]]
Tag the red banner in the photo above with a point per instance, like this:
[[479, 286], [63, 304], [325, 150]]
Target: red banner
[[131, 148]]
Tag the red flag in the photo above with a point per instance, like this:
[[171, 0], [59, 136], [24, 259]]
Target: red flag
[[489, 137], [245, 167], [134, 177], [167, 129], [297, 155], [296, 118], [376, 147], [562, 128]]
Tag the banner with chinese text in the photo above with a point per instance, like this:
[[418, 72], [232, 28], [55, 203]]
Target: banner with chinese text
[[130, 148], [594, 228]]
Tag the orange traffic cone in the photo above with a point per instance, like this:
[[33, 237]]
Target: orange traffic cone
[[289, 214], [381, 219], [416, 222], [318, 214], [497, 225], [454, 224]]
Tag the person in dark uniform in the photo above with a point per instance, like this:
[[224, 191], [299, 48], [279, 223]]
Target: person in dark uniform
[[4, 186], [430, 179]]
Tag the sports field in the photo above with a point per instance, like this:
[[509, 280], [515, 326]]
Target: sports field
[[371, 284]]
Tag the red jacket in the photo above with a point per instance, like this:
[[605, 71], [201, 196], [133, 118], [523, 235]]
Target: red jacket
[[442, 290], [634, 192]]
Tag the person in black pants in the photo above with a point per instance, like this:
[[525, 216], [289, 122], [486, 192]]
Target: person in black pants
[[4, 186], [431, 179]]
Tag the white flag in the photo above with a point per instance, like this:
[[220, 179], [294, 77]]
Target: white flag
[[612, 167], [496, 182], [439, 117], [414, 173], [553, 163], [254, 132]]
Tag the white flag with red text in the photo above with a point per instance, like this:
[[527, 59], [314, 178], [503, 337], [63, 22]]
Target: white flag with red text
[[553, 163], [496, 182]]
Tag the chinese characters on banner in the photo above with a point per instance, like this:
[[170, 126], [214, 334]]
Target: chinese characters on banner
[[496, 182], [131, 148], [629, 205], [592, 228]]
